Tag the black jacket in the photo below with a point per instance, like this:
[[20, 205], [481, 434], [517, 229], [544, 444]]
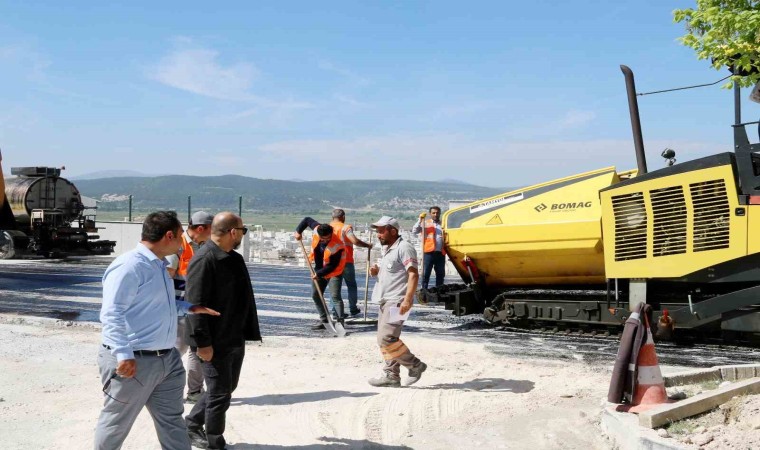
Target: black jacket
[[626, 369], [220, 281]]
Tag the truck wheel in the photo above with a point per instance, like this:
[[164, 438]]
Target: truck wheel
[[7, 251]]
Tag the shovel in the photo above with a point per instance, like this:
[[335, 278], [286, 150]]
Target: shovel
[[366, 321], [334, 326]]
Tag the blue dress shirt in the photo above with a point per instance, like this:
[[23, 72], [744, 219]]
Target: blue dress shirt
[[139, 311]]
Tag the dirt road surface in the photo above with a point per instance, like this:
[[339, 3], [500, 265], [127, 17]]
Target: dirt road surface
[[309, 393]]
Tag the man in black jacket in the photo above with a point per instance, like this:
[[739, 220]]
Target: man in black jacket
[[218, 276]]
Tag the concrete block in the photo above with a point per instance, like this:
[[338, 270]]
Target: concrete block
[[692, 377], [739, 372], [623, 429], [672, 412]]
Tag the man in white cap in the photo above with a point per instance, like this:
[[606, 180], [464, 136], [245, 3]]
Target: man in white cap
[[197, 233], [396, 282]]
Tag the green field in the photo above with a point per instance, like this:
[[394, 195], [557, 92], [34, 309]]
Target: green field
[[277, 221]]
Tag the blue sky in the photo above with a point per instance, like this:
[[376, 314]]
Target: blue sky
[[491, 93]]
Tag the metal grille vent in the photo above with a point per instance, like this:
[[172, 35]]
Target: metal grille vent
[[669, 221], [712, 215], [630, 226]]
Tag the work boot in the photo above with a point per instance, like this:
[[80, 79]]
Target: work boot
[[318, 326], [385, 380], [193, 397], [356, 313], [198, 437], [415, 373]]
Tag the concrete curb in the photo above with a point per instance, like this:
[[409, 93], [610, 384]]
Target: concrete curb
[[692, 377], [624, 430], [667, 413], [717, 373], [45, 322]]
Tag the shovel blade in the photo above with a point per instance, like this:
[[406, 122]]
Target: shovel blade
[[331, 327], [336, 328]]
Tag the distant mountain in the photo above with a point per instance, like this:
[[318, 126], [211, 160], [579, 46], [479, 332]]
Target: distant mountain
[[109, 174], [222, 192], [453, 181]]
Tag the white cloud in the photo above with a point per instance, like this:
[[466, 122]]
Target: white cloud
[[576, 119], [31, 64], [460, 110], [198, 70], [265, 115], [353, 78], [345, 99]]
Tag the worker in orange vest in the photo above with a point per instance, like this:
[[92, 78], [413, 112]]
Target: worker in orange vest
[[197, 233], [346, 234], [329, 257], [435, 256]]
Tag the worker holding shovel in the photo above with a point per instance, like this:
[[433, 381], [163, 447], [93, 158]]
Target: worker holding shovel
[[329, 257]]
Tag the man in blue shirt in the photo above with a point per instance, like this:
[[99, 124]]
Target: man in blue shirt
[[138, 363]]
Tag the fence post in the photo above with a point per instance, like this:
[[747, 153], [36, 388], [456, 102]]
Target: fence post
[[188, 209], [130, 207], [240, 206]]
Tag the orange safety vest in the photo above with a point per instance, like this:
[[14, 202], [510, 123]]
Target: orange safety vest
[[332, 247], [340, 229], [185, 256], [429, 236]]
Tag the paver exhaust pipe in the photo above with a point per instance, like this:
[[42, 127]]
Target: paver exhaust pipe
[[633, 107]]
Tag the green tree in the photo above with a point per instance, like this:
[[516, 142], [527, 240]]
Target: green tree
[[727, 32]]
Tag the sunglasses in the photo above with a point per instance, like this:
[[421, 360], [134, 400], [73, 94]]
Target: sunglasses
[[243, 229], [108, 385]]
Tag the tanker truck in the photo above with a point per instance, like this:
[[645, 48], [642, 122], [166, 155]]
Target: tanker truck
[[42, 214], [579, 253]]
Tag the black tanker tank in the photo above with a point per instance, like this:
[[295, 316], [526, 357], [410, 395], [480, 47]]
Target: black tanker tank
[[42, 214], [42, 188]]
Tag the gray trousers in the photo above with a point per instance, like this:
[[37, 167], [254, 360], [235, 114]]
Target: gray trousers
[[395, 352], [194, 371], [157, 385]]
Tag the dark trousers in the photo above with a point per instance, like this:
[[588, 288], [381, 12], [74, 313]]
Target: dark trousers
[[221, 374], [337, 300], [437, 261]]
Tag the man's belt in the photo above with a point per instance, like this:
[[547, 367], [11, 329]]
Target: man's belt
[[147, 352]]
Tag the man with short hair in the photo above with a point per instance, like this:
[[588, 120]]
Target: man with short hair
[[138, 363], [329, 257], [197, 233], [396, 282], [218, 278], [346, 234], [435, 256]]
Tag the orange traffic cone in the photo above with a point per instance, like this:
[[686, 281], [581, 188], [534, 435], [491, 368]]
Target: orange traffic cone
[[650, 387]]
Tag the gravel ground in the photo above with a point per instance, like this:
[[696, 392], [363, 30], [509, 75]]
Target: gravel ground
[[312, 393], [734, 424]]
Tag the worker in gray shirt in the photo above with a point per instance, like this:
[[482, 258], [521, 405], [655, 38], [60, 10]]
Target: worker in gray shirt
[[396, 282]]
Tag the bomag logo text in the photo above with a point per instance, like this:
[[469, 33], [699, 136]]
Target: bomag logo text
[[570, 205]]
